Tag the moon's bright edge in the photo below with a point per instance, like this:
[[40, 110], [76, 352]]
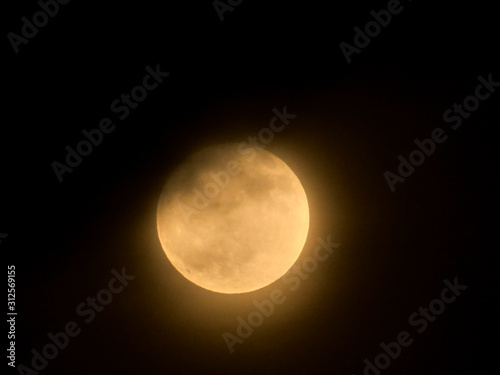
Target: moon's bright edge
[[233, 220]]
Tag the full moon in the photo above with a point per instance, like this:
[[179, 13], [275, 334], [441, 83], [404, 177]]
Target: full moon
[[233, 219]]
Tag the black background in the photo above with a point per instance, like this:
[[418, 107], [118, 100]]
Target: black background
[[353, 120]]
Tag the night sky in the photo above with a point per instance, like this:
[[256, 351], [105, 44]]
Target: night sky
[[353, 120]]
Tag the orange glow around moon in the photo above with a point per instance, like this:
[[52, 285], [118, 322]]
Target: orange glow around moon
[[233, 220]]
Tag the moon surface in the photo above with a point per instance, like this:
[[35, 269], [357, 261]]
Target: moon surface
[[233, 219]]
